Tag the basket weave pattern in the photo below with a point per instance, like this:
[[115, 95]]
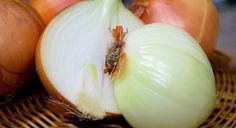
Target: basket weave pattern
[[32, 111]]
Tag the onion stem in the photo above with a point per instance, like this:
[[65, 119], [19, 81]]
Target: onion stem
[[116, 56]]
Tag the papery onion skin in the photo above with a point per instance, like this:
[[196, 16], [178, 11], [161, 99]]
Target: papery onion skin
[[48, 9], [167, 81], [198, 17], [20, 29]]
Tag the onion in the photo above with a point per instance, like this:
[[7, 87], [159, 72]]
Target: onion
[[66, 74], [48, 9], [167, 81], [96, 59], [198, 17], [20, 30]]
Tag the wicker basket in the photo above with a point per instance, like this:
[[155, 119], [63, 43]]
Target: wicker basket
[[29, 108]]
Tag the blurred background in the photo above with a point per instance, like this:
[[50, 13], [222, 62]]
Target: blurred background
[[227, 36]]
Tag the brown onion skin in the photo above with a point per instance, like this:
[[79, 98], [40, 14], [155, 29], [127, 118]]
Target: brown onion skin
[[198, 17], [20, 30], [48, 9]]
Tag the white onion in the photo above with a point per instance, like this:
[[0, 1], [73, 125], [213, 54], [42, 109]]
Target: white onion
[[167, 81]]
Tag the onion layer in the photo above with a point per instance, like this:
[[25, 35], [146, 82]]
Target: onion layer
[[20, 29], [198, 17]]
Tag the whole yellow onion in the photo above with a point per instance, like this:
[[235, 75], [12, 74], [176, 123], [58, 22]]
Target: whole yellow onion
[[20, 30], [197, 17]]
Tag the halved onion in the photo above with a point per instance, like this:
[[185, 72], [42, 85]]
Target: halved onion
[[71, 54]]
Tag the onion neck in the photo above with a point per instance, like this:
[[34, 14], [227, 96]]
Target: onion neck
[[109, 7]]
